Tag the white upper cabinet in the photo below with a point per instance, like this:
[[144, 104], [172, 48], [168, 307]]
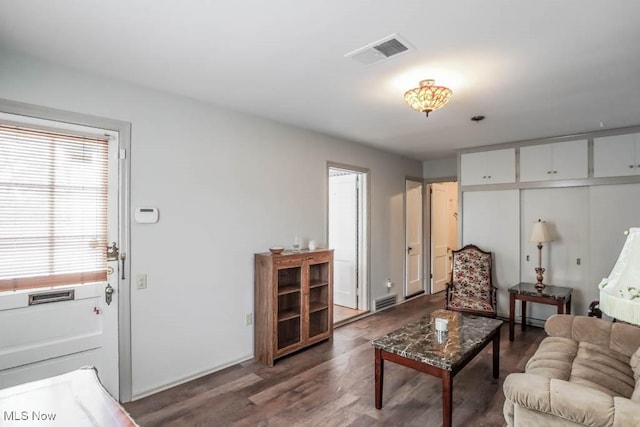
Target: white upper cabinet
[[617, 155], [560, 160], [488, 167]]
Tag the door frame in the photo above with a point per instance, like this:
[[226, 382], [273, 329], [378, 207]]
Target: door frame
[[425, 288], [364, 255], [124, 200], [427, 224]]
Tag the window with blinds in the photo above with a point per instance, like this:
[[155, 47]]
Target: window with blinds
[[53, 208]]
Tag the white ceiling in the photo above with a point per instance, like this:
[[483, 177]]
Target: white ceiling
[[533, 68]]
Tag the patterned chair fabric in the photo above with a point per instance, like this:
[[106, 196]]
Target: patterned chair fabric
[[470, 289]]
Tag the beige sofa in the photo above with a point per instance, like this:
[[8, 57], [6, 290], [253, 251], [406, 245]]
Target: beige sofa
[[586, 372]]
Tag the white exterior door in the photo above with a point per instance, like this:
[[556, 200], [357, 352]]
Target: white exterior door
[[47, 339], [439, 237], [343, 237], [413, 238]]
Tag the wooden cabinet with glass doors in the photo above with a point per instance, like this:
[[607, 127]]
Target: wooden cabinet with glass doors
[[293, 302]]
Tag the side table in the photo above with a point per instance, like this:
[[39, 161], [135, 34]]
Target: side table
[[552, 295]]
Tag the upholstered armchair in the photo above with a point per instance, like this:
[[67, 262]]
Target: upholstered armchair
[[470, 289]]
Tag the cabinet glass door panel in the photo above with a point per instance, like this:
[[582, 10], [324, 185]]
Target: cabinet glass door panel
[[318, 298], [289, 306], [318, 274], [289, 279], [288, 332], [318, 322]]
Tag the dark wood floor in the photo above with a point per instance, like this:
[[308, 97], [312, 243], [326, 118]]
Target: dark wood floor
[[331, 384]]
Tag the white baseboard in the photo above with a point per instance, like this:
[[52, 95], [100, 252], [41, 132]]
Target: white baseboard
[[180, 381]]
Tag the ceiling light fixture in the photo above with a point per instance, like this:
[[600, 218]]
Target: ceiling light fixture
[[427, 97]]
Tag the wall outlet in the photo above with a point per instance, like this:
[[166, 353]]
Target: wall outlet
[[389, 283], [141, 281], [248, 319]]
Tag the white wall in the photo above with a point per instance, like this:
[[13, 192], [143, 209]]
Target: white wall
[[490, 220], [443, 168], [227, 185], [567, 212], [588, 223]]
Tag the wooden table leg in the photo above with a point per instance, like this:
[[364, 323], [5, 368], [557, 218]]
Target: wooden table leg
[[496, 354], [523, 321], [379, 375], [568, 309], [512, 314], [560, 305], [447, 398]]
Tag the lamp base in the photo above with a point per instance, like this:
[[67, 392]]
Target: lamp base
[[539, 278]]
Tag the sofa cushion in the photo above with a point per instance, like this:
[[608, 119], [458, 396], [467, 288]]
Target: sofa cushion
[[620, 337], [554, 358], [602, 369], [635, 366], [583, 363]]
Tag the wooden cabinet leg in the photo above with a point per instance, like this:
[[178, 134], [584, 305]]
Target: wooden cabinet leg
[[523, 321], [379, 377]]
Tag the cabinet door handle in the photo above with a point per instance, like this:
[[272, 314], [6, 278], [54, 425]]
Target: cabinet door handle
[[555, 171], [489, 176], [484, 177], [548, 171], [631, 166]]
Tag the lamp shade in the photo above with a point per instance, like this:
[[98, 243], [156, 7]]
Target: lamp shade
[[540, 232], [620, 292]]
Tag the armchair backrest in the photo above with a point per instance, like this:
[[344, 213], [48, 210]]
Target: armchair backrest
[[471, 275]]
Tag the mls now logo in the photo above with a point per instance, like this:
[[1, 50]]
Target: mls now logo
[[28, 416]]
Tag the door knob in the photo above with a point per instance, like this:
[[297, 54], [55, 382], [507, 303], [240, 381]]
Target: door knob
[[108, 293]]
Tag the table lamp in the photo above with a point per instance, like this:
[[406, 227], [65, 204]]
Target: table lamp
[[540, 233]]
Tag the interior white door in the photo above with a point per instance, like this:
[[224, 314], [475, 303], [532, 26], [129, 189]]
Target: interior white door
[[343, 237], [413, 237], [439, 237], [38, 341]]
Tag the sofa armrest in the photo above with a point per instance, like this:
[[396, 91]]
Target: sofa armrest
[[573, 402]]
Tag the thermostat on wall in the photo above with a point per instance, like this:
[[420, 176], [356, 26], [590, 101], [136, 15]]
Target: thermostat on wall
[[146, 215]]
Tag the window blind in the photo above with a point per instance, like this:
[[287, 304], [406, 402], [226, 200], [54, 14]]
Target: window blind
[[53, 208]]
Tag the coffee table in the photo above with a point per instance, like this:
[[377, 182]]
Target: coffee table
[[417, 345]]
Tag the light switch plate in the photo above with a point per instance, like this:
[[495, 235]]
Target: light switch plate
[[141, 281]]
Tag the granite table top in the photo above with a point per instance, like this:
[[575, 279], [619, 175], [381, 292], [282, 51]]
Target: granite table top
[[420, 341], [549, 291]]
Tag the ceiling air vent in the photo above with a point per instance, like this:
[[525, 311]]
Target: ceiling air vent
[[391, 47], [380, 50]]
